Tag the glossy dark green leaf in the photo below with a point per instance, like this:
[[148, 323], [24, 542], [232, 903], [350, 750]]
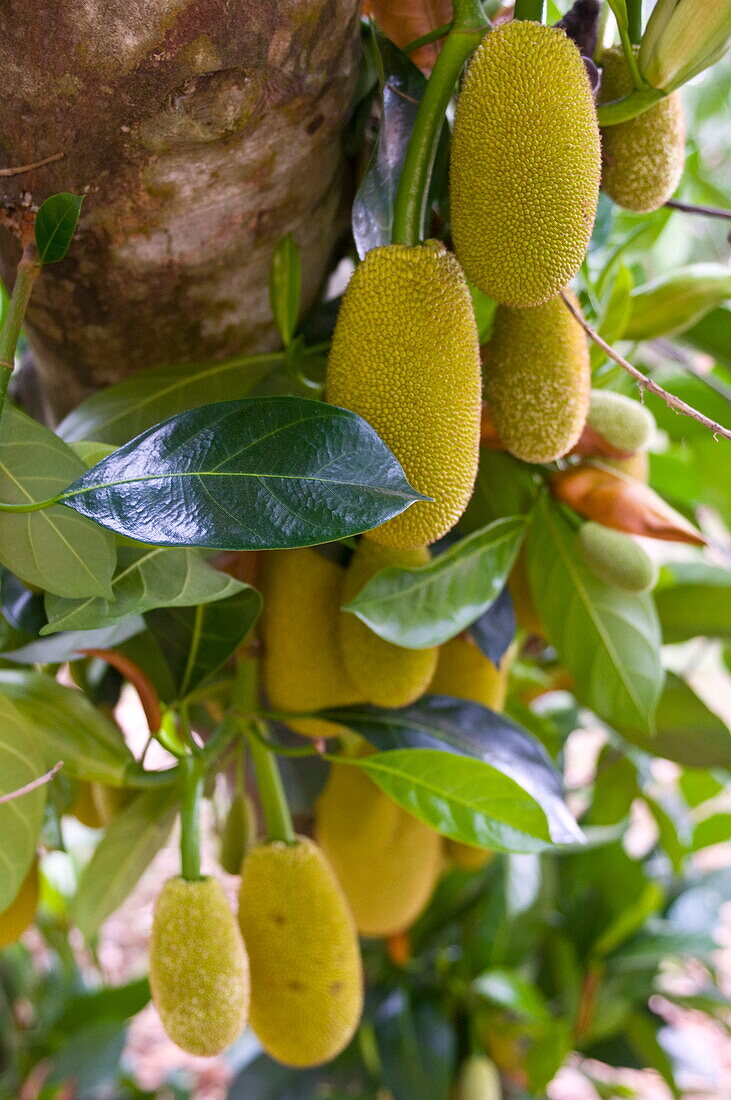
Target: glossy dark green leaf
[[21, 762], [285, 286], [55, 226], [416, 1043], [427, 605], [608, 639], [247, 475], [494, 630], [687, 731], [145, 579], [696, 600]]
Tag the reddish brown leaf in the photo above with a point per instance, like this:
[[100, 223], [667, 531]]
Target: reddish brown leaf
[[139, 680], [403, 21]]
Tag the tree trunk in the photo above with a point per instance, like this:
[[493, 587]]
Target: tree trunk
[[201, 131]]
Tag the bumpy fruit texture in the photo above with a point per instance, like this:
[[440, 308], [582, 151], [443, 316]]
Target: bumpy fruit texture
[[387, 861], [465, 672], [624, 423], [616, 558], [466, 856], [21, 912], [306, 977], [525, 164], [537, 380], [405, 356], [199, 973], [387, 675], [643, 158], [239, 830], [478, 1079], [303, 668]]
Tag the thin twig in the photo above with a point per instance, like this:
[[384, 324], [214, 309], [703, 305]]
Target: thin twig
[[29, 167], [32, 785], [693, 208], [643, 381]]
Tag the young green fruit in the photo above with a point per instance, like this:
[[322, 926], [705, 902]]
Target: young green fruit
[[537, 380], [306, 977], [637, 466], [478, 1079], [616, 558], [387, 862], [239, 830], [21, 912], [643, 158], [623, 422], [525, 164], [303, 668], [405, 356], [387, 675], [199, 973]]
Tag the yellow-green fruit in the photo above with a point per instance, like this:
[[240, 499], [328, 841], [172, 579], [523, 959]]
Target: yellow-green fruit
[[199, 974], [621, 421], [387, 861], [643, 158], [465, 672], [303, 668], [537, 380], [306, 975], [239, 830], [525, 164], [22, 910], [616, 558], [85, 807], [405, 356], [636, 466], [387, 675], [466, 856], [478, 1079]]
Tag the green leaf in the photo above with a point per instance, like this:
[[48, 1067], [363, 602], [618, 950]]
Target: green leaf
[[262, 473], [55, 226], [687, 731], [428, 605], [615, 313], [698, 601], [67, 727], [416, 1047], [108, 1003], [462, 798], [629, 920], [128, 845], [146, 578], [504, 487], [21, 761], [712, 830], [54, 549], [510, 990], [609, 639], [65, 646], [547, 1053], [285, 287], [697, 786]]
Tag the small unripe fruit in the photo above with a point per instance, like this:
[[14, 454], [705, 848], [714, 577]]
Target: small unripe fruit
[[525, 164], [387, 675], [537, 380], [643, 158], [622, 422], [306, 976], [239, 830], [386, 860], [478, 1079], [616, 558], [636, 466], [303, 668], [21, 912], [465, 672], [199, 974], [405, 356]]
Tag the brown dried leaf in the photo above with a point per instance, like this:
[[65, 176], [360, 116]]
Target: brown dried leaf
[[403, 21]]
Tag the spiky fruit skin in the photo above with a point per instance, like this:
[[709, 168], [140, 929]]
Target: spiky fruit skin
[[466, 856], [465, 672], [478, 1079], [525, 167], [21, 912], [387, 675], [616, 558], [199, 973], [537, 380], [405, 356], [624, 423], [302, 666], [386, 861], [239, 829], [643, 158], [306, 975]]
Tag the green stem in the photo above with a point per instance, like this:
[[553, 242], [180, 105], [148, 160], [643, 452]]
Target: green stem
[[409, 215], [529, 9], [634, 104], [34, 505], [190, 837], [427, 39], [275, 808], [620, 10], [634, 21], [26, 275]]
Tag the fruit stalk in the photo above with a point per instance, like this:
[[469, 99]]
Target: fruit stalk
[[277, 818], [26, 275], [529, 9], [190, 840]]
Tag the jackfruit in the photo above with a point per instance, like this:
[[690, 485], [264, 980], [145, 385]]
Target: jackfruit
[[478, 1079], [466, 856], [465, 672], [405, 356], [199, 974], [525, 164], [302, 666], [624, 423], [21, 912], [537, 380], [239, 830], [386, 860], [306, 974], [643, 158], [387, 675], [616, 558]]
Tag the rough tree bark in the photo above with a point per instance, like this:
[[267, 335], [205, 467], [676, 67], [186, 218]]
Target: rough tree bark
[[201, 132]]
